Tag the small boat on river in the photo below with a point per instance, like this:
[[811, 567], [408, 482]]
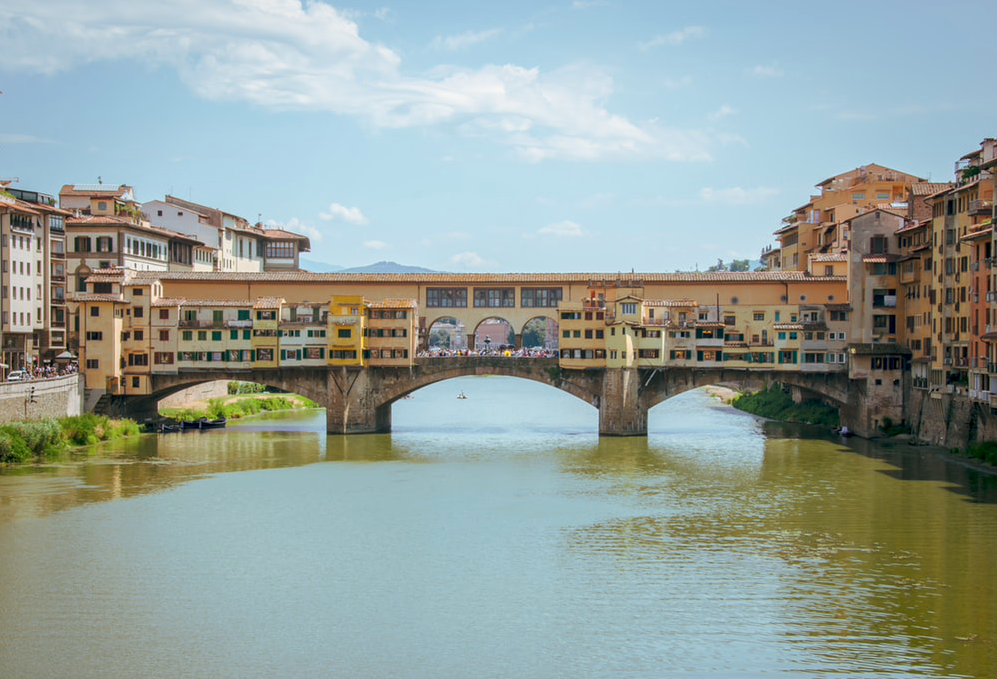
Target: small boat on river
[[203, 423]]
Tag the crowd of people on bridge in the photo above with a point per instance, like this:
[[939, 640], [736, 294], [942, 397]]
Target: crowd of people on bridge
[[506, 351], [41, 372]]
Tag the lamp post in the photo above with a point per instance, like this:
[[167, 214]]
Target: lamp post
[[488, 343]]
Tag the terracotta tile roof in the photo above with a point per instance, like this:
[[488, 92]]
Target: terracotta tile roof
[[268, 302], [879, 259], [282, 234], [19, 205], [95, 297], [929, 188], [169, 301], [639, 279], [986, 231], [109, 220], [787, 326], [838, 307], [93, 190], [393, 304], [829, 257]]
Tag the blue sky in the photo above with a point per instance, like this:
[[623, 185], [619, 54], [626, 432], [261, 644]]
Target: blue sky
[[502, 136]]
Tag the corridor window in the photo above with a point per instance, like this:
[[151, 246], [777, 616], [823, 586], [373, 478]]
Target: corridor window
[[539, 297], [446, 297], [494, 297]]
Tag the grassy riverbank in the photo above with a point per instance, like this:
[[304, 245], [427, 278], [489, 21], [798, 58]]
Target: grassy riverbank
[[48, 439], [234, 407], [776, 404]]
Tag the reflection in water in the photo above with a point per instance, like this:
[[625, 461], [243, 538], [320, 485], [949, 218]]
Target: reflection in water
[[499, 535]]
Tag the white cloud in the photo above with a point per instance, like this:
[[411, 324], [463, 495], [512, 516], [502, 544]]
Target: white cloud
[[353, 215], [724, 111], [307, 55], [471, 260], [760, 71], [453, 43], [737, 195], [295, 225], [375, 244], [563, 229], [14, 138], [674, 38]]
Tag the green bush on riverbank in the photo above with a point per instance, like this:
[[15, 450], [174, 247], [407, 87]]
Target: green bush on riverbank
[[985, 451], [776, 404], [47, 439], [243, 407]]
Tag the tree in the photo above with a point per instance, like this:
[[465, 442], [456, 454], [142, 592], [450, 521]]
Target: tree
[[739, 265]]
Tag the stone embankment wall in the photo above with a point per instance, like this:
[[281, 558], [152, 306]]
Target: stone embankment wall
[[949, 420], [199, 392], [41, 398]]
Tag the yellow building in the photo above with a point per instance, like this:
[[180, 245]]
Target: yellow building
[[346, 320]]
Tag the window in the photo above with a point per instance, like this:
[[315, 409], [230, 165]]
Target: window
[[164, 314], [164, 335], [94, 335], [539, 297], [93, 364], [139, 312], [139, 335], [278, 249], [163, 357], [628, 307], [446, 297], [187, 335], [216, 335], [494, 297], [344, 333], [94, 311]]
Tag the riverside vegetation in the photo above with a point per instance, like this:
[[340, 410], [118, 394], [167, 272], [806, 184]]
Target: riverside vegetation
[[245, 398], [49, 439], [776, 404]]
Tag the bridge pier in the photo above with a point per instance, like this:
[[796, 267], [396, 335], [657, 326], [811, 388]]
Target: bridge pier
[[351, 406], [621, 411]]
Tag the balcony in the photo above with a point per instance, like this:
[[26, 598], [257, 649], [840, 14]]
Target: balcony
[[981, 207]]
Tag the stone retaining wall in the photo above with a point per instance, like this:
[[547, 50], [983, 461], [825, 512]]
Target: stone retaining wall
[[41, 398]]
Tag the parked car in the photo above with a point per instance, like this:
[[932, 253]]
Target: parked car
[[17, 375]]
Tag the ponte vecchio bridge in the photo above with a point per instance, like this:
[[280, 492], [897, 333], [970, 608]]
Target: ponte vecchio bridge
[[355, 343]]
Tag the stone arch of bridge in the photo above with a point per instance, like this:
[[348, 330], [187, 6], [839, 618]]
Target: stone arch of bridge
[[660, 385], [587, 387], [309, 383]]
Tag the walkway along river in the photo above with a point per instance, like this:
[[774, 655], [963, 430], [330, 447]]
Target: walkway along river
[[500, 536]]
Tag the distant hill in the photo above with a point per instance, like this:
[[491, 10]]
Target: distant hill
[[379, 267], [318, 267], [386, 267]]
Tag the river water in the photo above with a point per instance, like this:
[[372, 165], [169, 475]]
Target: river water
[[500, 536]]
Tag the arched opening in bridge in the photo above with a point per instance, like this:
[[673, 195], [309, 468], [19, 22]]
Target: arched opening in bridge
[[490, 408], [494, 335], [446, 333], [540, 333]]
